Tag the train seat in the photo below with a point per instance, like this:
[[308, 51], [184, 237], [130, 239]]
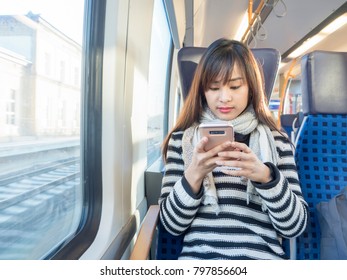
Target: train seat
[[291, 124], [168, 246], [188, 58], [321, 144]]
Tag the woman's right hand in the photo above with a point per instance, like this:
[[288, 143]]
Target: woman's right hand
[[203, 162]]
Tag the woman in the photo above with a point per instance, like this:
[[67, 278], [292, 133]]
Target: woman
[[237, 200]]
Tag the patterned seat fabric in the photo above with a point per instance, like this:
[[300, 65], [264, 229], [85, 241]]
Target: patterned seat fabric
[[169, 247], [321, 146]]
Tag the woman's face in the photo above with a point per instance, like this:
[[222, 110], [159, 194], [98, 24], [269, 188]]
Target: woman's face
[[229, 100]]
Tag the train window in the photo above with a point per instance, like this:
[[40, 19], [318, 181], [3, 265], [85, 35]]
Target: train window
[[160, 64], [292, 102], [41, 194]]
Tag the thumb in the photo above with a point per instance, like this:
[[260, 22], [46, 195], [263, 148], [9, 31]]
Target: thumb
[[200, 147]]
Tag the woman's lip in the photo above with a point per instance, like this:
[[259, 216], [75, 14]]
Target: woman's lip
[[225, 109]]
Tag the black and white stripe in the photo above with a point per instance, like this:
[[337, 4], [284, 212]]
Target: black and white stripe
[[241, 230]]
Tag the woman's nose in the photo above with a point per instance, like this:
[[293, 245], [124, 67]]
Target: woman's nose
[[225, 94]]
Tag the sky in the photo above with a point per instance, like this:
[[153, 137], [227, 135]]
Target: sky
[[65, 15]]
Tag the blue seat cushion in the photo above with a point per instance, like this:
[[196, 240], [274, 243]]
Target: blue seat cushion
[[321, 159], [169, 246]]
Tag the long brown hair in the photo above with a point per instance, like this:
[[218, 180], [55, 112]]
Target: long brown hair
[[218, 61]]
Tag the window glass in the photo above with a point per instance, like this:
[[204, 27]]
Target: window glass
[[40, 103], [159, 75], [292, 101]]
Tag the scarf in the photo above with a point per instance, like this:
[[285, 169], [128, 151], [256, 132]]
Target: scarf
[[261, 142]]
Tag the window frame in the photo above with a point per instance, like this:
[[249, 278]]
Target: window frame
[[166, 92]]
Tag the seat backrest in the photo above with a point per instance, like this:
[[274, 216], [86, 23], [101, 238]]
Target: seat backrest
[[287, 121], [168, 246], [189, 57], [291, 123], [321, 145]]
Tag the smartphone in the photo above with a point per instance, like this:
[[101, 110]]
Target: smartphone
[[217, 133]]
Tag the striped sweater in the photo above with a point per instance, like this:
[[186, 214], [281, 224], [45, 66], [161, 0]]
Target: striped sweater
[[240, 230]]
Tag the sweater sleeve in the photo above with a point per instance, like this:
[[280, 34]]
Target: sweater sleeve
[[178, 204], [283, 197]]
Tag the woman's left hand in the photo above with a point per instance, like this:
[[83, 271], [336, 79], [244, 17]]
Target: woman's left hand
[[245, 163]]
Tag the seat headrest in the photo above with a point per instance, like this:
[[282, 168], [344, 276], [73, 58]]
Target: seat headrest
[[189, 57], [324, 82]]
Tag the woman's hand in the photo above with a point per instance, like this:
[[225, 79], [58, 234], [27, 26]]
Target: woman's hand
[[203, 162], [245, 162]]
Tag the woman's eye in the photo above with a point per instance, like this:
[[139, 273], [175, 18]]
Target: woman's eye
[[235, 87], [214, 88]]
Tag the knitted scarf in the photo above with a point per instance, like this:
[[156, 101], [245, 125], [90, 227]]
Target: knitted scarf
[[261, 142]]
